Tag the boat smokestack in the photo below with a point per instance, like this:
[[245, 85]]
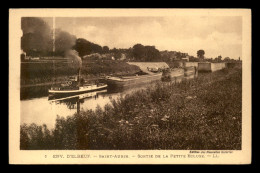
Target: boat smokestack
[[74, 61]]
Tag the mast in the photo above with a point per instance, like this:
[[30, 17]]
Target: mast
[[53, 35], [53, 47]]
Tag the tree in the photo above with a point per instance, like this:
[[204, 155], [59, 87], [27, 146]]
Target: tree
[[227, 59], [85, 47], [139, 52], [146, 53], [193, 59], [105, 49], [201, 53], [95, 48], [152, 54], [219, 58]]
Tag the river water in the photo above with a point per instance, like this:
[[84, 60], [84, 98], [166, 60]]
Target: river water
[[41, 109]]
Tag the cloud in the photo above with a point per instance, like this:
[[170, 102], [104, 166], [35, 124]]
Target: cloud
[[216, 43], [216, 35]]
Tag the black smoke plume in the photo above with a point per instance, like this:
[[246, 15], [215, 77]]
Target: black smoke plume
[[74, 59], [37, 39]]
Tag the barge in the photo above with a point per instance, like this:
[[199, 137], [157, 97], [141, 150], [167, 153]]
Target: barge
[[147, 78], [132, 80]]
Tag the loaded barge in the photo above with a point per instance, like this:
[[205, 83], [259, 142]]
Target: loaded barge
[[132, 80], [146, 78]]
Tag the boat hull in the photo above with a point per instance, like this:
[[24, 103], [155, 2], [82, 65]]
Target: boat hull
[[71, 92], [182, 72], [189, 71], [61, 98]]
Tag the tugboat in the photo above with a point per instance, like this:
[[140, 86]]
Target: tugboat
[[73, 86]]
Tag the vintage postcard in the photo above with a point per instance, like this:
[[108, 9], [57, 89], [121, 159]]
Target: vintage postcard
[[130, 86]]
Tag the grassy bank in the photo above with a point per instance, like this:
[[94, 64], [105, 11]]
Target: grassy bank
[[36, 73], [204, 113]]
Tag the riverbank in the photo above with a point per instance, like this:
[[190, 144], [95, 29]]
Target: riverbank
[[199, 114], [40, 74]]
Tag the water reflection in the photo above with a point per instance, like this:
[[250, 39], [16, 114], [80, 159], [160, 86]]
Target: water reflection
[[74, 101]]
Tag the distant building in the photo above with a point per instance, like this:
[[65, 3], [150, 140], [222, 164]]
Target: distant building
[[35, 58], [123, 56], [187, 58]]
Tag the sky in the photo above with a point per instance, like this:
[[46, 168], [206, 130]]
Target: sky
[[216, 35]]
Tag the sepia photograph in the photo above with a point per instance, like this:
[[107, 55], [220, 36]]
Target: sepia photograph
[[130, 82]]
